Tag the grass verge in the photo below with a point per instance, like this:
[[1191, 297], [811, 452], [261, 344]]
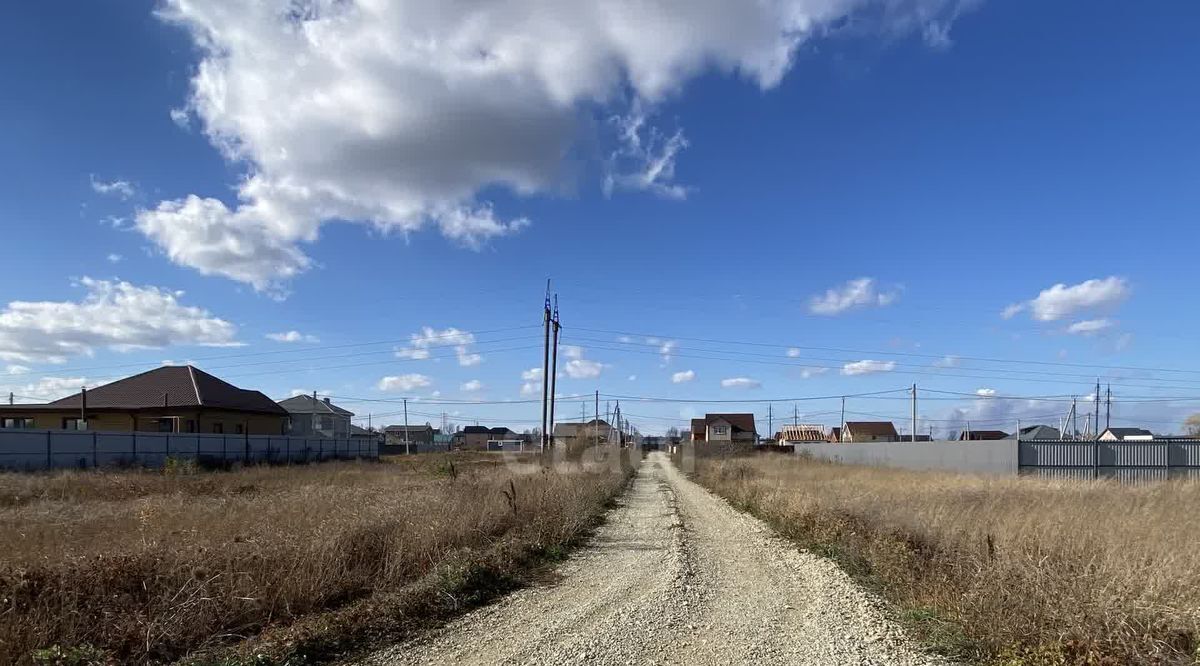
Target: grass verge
[[277, 565], [997, 570]]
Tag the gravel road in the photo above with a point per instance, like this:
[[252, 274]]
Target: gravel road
[[675, 576]]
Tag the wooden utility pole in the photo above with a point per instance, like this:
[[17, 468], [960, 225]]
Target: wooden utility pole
[[545, 363], [553, 374], [406, 426]]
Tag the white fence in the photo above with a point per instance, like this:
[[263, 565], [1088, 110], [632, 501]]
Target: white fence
[[50, 449]]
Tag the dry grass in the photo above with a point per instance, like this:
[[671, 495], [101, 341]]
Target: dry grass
[[150, 567], [999, 570]]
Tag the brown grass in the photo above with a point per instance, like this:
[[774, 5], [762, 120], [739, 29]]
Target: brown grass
[[999, 570], [148, 567]]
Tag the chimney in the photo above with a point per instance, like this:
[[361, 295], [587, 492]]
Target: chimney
[[326, 401]]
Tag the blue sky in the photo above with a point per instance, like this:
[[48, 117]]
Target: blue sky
[[869, 183]]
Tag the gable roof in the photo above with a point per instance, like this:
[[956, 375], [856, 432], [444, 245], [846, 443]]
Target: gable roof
[[801, 433], [410, 428], [476, 430], [303, 404], [871, 428], [835, 434], [1129, 432], [173, 386], [742, 422]]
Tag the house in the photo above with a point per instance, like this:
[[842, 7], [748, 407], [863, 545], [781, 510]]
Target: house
[[569, 433], [835, 434], [475, 438], [801, 433], [372, 435], [1126, 435], [869, 431], [981, 435], [504, 434], [724, 428], [420, 435], [317, 418], [171, 398], [1040, 432]]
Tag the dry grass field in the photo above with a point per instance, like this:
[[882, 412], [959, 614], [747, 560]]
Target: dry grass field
[[288, 562], [997, 570]]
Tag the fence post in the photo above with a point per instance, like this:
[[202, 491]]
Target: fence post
[[167, 451], [49, 462], [95, 458], [287, 442], [1095, 458], [134, 461], [320, 449], [224, 447], [246, 445]]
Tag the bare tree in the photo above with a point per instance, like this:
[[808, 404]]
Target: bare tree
[[1191, 425]]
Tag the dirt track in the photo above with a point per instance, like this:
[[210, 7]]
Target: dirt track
[[675, 576]]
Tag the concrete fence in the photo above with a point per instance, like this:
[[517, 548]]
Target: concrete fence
[[51, 449], [1155, 460]]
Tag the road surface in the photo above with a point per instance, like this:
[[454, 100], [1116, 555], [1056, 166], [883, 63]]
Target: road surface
[[675, 576]]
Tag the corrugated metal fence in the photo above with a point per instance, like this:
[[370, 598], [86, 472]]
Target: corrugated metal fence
[[1153, 460], [49, 449]]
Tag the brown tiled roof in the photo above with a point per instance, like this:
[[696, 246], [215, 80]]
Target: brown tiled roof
[[871, 428], [173, 386], [743, 422]]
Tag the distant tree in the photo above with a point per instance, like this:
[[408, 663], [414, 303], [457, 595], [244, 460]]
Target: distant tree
[[672, 432], [1192, 425]]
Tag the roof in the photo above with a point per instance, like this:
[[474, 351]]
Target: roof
[[871, 428], [304, 404], [1130, 432], [743, 422], [572, 429], [698, 425], [173, 386], [978, 435], [801, 433], [1041, 432], [501, 431], [476, 430], [409, 428], [835, 433]]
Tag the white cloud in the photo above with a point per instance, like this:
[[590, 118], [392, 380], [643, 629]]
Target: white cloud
[[793, 353], [471, 386], [400, 113], [44, 389], [666, 348], [291, 336], [533, 381], [404, 382], [985, 392], [867, 367], [583, 369], [113, 315], [1090, 326], [114, 258], [1062, 301], [428, 338], [633, 378], [683, 376], [296, 391], [858, 293], [947, 362], [624, 339], [572, 351], [122, 189], [180, 118], [809, 373], [16, 370], [740, 382]]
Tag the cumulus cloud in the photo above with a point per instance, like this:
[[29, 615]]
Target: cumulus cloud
[[404, 382], [1062, 301], [291, 336], [947, 362], [867, 367], [793, 353], [114, 258], [740, 382], [633, 378], [398, 114], [683, 377], [44, 389], [113, 315], [809, 373], [428, 338], [985, 392], [532, 381], [572, 351], [471, 386], [121, 189], [858, 293], [583, 369], [1090, 326]]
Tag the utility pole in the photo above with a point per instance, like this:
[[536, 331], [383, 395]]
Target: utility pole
[[316, 420], [1108, 408], [914, 411], [770, 422], [553, 375], [406, 426], [596, 421], [1074, 420], [545, 363], [842, 433], [1096, 410]]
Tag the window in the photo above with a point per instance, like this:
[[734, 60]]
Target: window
[[166, 425], [326, 423], [720, 430], [218, 428], [74, 424], [16, 423]]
